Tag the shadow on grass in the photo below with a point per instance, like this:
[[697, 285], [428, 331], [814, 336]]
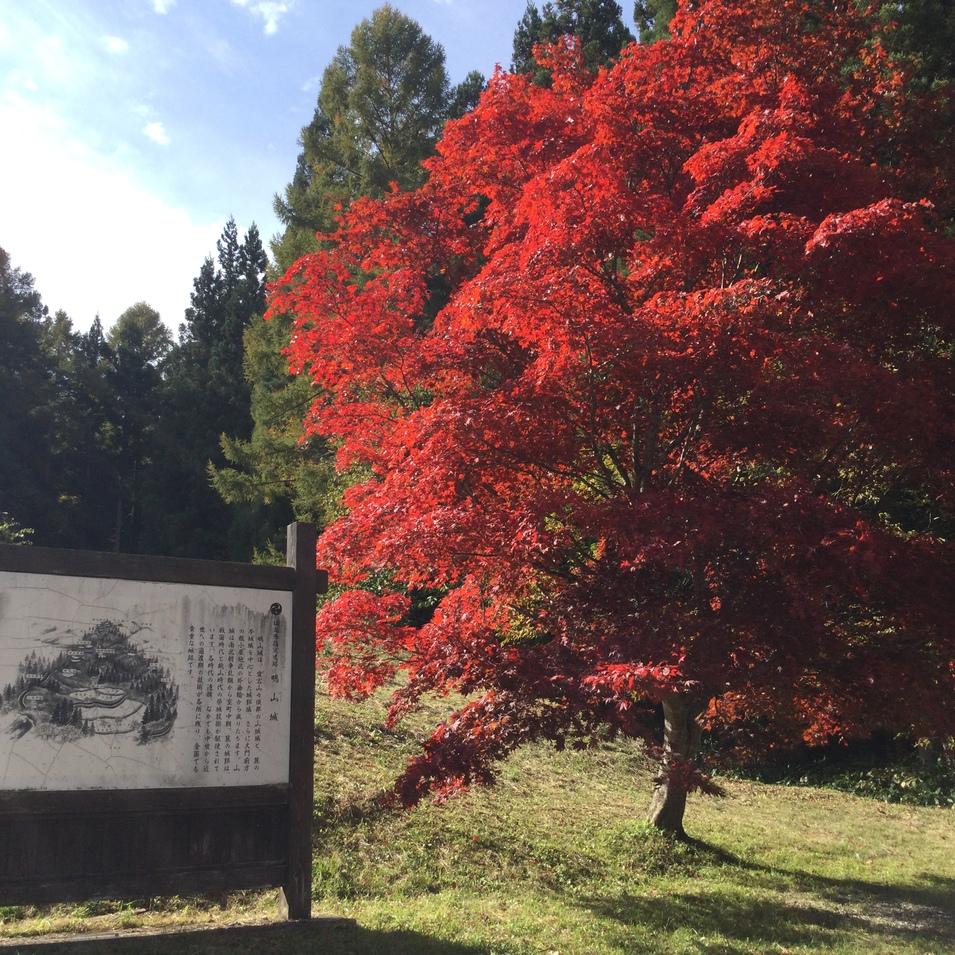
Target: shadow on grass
[[809, 909], [331, 937], [932, 892]]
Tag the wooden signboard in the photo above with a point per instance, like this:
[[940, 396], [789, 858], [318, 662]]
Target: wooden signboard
[[156, 724]]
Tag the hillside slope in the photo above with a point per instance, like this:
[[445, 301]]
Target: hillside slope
[[555, 858]]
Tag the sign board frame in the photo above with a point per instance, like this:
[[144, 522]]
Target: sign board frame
[[130, 843]]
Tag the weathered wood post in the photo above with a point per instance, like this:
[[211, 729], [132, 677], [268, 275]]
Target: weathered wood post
[[300, 555]]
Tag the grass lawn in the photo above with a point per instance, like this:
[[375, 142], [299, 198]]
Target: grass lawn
[[555, 859]]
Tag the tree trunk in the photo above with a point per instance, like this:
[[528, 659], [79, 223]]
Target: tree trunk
[[681, 740]]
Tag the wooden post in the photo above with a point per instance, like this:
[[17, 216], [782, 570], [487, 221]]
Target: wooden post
[[300, 555]]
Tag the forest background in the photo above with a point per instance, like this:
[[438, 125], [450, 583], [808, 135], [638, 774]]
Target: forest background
[[125, 439], [128, 440]]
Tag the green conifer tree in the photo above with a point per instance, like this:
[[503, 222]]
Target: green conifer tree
[[464, 97], [139, 346], [383, 102], [27, 474], [598, 24], [205, 375], [652, 18], [925, 36]]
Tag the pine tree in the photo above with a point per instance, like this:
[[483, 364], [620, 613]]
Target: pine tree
[[228, 248], [464, 97], [26, 389], [598, 24], [139, 346], [81, 513], [652, 18], [206, 371], [529, 31], [925, 37], [383, 101], [252, 266], [56, 473], [276, 473]]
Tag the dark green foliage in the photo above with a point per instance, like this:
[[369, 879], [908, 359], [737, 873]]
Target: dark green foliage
[[226, 295], [386, 96], [465, 95], [26, 389], [56, 482], [84, 436], [109, 437], [79, 420], [652, 18], [276, 473], [204, 395], [598, 24], [383, 102], [896, 771], [139, 345], [925, 37], [530, 30]]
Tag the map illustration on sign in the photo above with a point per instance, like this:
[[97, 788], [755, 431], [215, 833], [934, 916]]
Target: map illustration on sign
[[102, 683], [117, 684]]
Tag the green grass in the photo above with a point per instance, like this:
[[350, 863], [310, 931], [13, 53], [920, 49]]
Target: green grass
[[555, 858]]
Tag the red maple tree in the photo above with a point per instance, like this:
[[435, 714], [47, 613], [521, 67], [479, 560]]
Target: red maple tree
[[649, 388]]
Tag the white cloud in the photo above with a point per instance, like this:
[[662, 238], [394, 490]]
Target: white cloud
[[269, 11], [222, 53], [115, 44], [115, 242], [162, 7], [21, 80], [52, 60], [156, 132]]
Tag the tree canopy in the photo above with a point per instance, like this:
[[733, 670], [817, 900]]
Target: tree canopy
[[206, 370], [382, 104], [139, 345], [25, 393], [652, 18], [650, 384], [597, 24]]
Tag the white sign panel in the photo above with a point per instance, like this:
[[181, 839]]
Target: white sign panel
[[119, 684]]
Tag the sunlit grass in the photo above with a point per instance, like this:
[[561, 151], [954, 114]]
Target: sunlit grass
[[555, 858]]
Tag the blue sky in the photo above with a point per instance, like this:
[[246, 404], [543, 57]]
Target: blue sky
[[134, 128]]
